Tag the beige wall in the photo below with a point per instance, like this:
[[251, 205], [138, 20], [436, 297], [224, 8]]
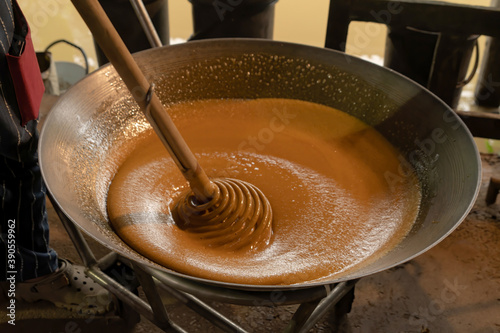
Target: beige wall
[[51, 20], [298, 21], [295, 21]]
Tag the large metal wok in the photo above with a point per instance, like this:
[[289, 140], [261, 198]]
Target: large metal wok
[[81, 136]]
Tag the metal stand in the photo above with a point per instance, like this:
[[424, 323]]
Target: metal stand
[[493, 191], [314, 302]]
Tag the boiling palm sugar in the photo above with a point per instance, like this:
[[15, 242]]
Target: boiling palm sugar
[[322, 170]]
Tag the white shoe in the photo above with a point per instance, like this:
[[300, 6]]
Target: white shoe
[[70, 288]]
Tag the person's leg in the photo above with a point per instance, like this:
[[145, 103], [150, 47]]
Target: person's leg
[[23, 212], [22, 191], [23, 216], [25, 254]]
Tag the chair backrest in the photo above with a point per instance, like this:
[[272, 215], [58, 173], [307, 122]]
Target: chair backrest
[[430, 42]]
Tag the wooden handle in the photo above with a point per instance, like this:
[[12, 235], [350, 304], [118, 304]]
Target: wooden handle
[[115, 50]]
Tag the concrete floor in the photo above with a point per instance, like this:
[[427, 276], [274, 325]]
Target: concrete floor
[[454, 287]]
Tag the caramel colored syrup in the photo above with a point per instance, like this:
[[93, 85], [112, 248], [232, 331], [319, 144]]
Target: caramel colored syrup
[[322, 170]]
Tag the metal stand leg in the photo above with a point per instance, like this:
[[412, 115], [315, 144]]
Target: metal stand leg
[[160, 314], [315, 301], [76, 236], [154, 313], [309, 313], [202, 309], [493, 191]]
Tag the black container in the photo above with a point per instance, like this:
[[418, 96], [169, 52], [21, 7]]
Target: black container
[[122, 15], [410, 52], [436, 60], [233, 18], [488, 86]]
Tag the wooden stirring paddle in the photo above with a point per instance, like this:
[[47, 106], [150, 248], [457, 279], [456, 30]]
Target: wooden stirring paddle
[[222, 201]]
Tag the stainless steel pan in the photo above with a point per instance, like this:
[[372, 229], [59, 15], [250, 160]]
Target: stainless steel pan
[[82, 134]]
